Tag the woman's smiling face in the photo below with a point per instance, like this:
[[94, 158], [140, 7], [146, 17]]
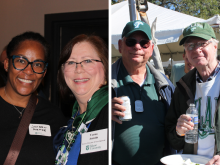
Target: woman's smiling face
[[84, 82], [25, 82]]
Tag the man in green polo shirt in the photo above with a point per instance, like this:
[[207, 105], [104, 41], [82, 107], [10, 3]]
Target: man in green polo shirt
[[142, 139]]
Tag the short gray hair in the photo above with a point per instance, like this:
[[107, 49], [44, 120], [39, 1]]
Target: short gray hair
[[215, 42]]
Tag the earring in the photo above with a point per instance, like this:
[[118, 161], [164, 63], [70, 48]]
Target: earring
[[105, 82]]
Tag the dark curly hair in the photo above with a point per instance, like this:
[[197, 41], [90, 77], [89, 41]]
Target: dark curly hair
[[15, 42]]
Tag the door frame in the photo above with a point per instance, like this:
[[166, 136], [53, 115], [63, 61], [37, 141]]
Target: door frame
[[53, 22]]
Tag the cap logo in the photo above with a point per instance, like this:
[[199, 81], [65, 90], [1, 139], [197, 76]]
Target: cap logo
[[194, 26], [137, 24]]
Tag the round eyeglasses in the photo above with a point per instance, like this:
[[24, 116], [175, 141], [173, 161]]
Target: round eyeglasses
[[88, 64], [20, 63], [192, 46]]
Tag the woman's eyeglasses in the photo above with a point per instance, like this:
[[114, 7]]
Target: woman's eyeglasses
[[132, 42], [85, 64], [20, 63]]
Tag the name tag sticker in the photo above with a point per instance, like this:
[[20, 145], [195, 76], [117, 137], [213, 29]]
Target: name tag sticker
[[39, 129], [94, 141]]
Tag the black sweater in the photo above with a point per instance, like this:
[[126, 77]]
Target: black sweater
[[36, 149]]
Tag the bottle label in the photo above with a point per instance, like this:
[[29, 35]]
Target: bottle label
[[194, 118]]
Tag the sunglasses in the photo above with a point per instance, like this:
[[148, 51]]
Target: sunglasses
[[132, 42]]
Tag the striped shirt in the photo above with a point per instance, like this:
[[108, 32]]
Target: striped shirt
[[199, 80]]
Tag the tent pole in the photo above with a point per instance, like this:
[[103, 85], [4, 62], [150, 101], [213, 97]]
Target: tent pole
[[132, 10], [142, 8], [171, 55]]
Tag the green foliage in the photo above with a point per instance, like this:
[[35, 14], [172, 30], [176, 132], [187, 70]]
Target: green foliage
[[114, 2], [199, 8]]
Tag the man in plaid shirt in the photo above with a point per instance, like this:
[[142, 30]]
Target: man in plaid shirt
[[200, 86]]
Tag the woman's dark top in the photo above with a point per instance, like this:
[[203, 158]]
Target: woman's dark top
[[101, 157], [36, 149]]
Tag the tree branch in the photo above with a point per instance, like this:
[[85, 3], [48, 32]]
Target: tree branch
[[171, 3]]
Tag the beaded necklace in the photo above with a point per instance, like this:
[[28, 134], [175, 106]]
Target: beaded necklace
[[70, 137]]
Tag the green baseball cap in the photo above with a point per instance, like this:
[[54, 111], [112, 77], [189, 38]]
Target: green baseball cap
[[198, 29], [137, 25]]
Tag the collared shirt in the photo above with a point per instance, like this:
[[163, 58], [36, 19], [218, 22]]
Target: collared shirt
[[199, 80], [139, 141]]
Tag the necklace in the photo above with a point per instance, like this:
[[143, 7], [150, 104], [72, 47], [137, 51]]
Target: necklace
[[70, 138], [20, 112], [70, 135]]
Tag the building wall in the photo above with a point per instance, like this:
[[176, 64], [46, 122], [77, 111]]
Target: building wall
[[18, 16]]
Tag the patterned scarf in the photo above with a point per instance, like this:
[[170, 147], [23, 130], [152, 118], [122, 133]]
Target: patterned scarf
[[94, 106]]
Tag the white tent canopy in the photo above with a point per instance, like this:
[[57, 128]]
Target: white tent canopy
[[169, 28]]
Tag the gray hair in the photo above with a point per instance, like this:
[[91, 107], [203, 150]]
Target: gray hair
[[215, 42]]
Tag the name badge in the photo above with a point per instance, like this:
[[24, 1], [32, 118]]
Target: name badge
[[94, 141], [39, 129], [139, 106]]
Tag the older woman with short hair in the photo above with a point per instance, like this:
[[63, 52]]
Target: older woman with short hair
[[83, 74]]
